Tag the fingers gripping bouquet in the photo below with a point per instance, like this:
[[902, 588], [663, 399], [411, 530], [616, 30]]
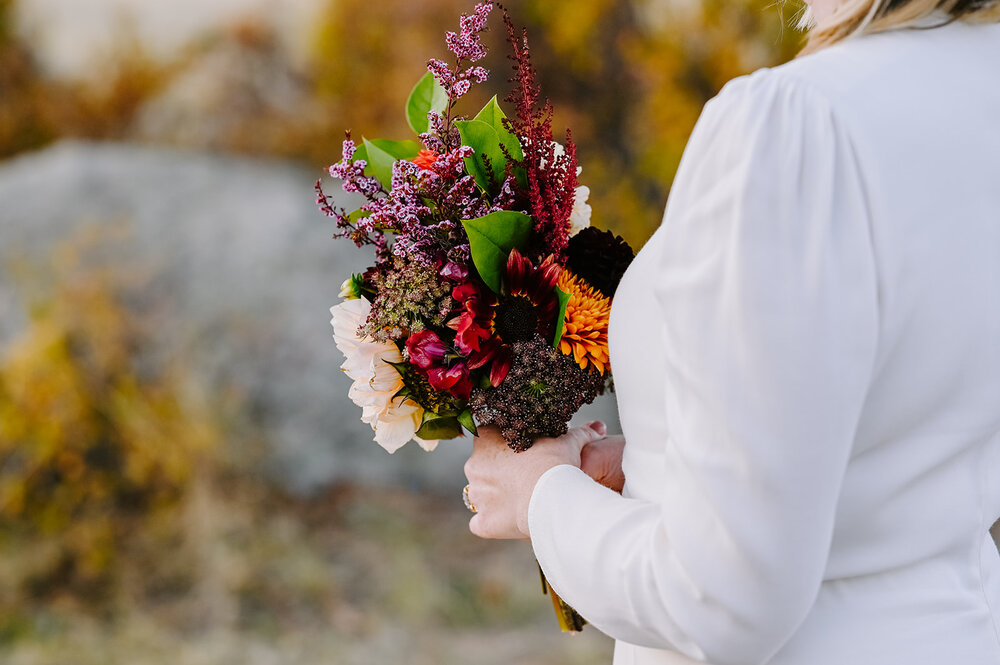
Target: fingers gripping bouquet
[[489, 299]]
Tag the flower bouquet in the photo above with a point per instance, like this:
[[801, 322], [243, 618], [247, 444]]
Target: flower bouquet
[[489, 305]]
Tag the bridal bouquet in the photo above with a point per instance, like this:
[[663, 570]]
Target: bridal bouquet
[[489, 298]]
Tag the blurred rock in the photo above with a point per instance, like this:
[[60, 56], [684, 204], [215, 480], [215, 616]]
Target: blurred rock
[[230, 97], [244, 265]]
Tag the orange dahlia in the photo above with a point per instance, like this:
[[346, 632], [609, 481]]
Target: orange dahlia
[[585, 332]]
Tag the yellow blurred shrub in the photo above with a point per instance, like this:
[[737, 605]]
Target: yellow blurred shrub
[[97, 443]]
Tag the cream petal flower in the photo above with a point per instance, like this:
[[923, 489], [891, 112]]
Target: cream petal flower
[[398, 426], [425, 444], [348, 316], [394, 419]]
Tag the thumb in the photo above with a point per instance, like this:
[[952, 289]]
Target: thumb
[[578, 437]]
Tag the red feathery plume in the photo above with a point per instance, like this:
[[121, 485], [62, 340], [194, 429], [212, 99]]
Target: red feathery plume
[[550, 183]]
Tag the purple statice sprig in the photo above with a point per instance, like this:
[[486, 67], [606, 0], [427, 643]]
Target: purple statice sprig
[[357, 230], [448, 195], [358, 226], [457, 80], [352, 172]]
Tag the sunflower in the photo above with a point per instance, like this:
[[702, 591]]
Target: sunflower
[[585, 332]]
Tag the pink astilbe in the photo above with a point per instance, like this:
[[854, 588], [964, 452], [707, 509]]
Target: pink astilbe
[[550, 177]]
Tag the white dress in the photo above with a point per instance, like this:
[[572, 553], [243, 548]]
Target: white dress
[[807, 358]]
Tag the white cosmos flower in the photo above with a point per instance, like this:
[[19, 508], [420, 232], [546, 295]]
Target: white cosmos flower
[[394, 419], [579, 218]]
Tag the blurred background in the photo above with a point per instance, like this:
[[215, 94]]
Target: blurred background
[[182, 477]]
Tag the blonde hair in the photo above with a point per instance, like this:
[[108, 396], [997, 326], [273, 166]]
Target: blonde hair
[[854, 17]]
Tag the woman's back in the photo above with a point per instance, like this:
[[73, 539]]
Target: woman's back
[[807, 357], [911, 560]]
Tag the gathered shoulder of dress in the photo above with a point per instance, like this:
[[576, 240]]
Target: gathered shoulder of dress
[[807, 361]]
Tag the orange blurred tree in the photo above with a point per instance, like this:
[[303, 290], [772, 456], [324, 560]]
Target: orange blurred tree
[[628, 76]]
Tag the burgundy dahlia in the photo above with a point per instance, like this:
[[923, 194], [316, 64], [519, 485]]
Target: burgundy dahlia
[[488, 324]]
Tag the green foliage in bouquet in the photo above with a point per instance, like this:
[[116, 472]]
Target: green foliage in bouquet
[[426, 97], [491, 240]]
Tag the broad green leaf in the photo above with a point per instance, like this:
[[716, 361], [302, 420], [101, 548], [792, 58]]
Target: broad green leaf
[[465, 420], [494, 116], [491, 238], [379, 164], [360, 154], [386, 153], [485, 141], [358, 214], [561, 318], [398, 149], [436, 427], [427, 95]]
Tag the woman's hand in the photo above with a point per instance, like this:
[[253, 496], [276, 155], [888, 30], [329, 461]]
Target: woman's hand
[[501, 481], [602, 461]]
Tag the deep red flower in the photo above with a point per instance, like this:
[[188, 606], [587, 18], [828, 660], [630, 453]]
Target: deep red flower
[[497, 354], [473, 325], [426, 349], [523, 280], [436, 360], [454, 379]]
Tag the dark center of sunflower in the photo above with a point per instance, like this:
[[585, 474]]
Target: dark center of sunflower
[[516, 319]]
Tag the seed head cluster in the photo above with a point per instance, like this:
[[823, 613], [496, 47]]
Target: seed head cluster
[[542, 391], [409, 298]]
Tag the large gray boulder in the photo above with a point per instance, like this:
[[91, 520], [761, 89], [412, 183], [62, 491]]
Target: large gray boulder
[[250, 272]]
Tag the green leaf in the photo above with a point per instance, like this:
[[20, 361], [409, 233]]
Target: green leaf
[[379, 164], [427, 95], [484, 140], [561, 318], [494, 116], [360, 154], [436, 427], [399, 149], [491, 238], [466, 421], [358, 214]]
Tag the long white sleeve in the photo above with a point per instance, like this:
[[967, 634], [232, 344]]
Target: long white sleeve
[[767, 309]]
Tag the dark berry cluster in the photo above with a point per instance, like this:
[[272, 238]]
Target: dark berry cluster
[[542, 391]]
